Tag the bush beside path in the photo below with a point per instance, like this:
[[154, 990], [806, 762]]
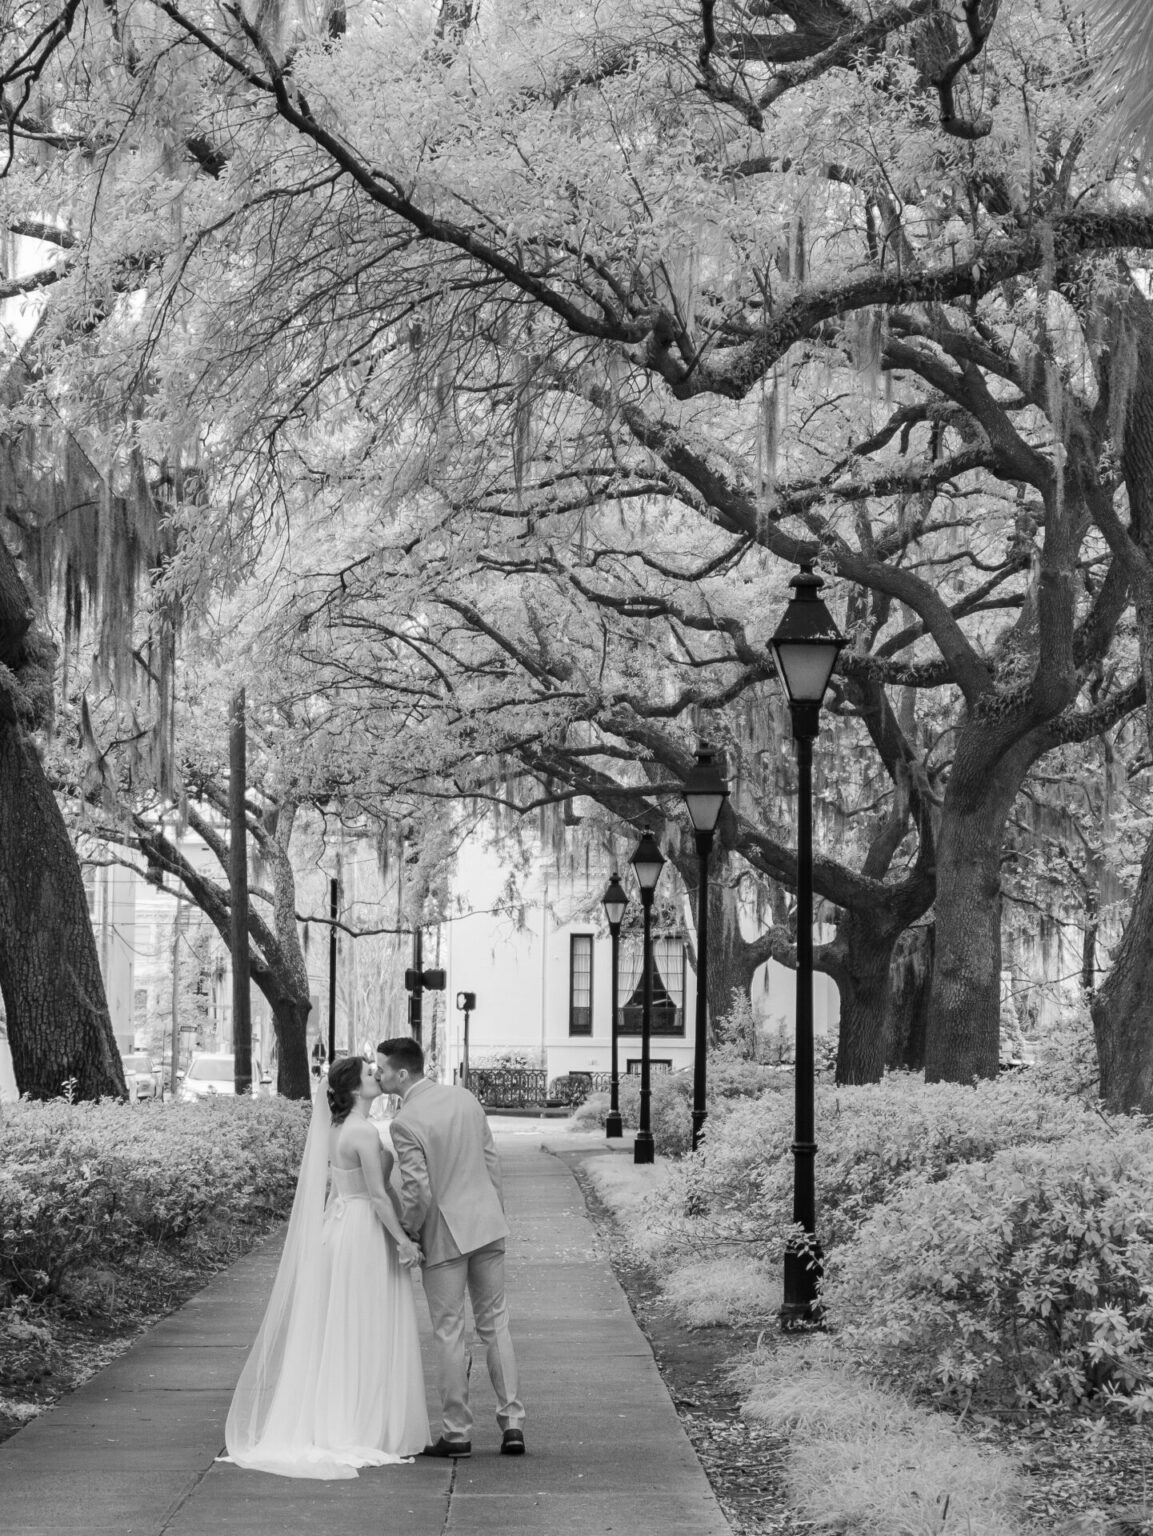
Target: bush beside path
[[113, 1214], [989, 1285]]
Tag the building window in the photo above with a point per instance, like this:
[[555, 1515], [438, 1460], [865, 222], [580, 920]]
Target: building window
[[580, 984], [656, 1064], [669, 962]]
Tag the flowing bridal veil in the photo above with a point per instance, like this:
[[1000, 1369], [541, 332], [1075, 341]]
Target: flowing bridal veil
[[334, 1373]]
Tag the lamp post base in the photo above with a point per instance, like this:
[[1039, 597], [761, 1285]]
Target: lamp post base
[[801, 1310], [613, 1125], [644, 1150], [699, 1118]]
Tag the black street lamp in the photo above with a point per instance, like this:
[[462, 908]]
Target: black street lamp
[[705, 793], [614, 902], [648, 861], [805, 649]]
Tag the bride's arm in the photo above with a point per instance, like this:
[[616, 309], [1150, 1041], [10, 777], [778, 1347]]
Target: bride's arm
[[368, 1150], [388, 1164]]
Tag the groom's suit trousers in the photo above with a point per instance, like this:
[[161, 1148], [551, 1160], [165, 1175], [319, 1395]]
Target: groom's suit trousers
[[481, 1275]]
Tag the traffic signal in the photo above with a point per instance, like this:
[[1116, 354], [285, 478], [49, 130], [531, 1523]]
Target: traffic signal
[[427, 981], [466, 1001]]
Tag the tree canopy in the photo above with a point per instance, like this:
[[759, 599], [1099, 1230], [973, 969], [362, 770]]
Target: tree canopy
[[513, 361]]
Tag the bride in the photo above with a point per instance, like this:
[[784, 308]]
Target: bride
[[334, 1378]]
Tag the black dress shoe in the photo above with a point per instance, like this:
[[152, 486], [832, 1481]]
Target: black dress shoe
[[513, 1443], [449, 1448]]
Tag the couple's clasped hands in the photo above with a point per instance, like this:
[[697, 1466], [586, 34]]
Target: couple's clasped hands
[[408, 1253]]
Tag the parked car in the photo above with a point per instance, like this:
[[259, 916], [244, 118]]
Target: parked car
[[212, 1073], [141, 1076]]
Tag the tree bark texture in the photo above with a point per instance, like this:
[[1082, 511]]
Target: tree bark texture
[[911, 977], [59, 1028], [1122, 1007], [733, 959], [963, 1034], [863, 951]]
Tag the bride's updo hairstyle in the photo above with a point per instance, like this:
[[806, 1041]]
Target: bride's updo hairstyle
[[343, 1086]]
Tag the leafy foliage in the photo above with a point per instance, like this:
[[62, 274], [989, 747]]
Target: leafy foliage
[[1029, 1275], [86, 1186], [874, 1141]]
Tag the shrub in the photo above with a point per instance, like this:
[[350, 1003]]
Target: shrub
[[1028, 1276], [94, 1185], [1067, 1052], [670, 1110], [873, 1141], [731, 1078]]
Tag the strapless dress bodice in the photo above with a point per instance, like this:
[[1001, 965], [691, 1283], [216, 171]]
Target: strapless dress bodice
[[350, 1183]]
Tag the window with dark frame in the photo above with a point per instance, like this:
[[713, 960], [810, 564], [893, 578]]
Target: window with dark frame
[[669, 963], [580, 985]]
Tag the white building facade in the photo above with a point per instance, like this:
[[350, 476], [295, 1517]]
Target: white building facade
[[542, 974]]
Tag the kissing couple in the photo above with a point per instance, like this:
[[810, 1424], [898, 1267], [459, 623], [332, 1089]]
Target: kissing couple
[[334, 1380]]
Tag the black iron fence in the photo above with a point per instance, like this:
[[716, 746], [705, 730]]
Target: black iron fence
[[528, 1087], [574, 1087], [509, 1087]]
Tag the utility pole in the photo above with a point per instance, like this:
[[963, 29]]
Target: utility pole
[[416, 994], [238, 881], [333, 910]]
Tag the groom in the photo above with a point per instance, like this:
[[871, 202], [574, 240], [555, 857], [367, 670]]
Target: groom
[[452, 1205]]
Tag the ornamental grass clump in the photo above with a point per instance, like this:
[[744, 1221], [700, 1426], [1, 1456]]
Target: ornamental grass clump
[[1027, 1278]]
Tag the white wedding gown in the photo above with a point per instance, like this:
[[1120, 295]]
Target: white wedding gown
[[334, 1379]]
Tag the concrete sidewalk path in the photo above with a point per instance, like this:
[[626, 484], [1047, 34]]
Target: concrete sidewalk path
[[133, 1451]]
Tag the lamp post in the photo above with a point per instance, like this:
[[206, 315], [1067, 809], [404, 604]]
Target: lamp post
[[705, 793], [805, 649], [615, 901], [648, 861], [465, 1002]]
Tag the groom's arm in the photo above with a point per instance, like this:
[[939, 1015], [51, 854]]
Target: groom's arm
[[492, 1162], [415, 1189]]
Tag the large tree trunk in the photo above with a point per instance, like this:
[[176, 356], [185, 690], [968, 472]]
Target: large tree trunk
[[733, 959], [860, 961], [1122, 1009], [286, 983], [59, 1029], [1122, 1006], [911, 978], [290, 1021], [963, 1033]]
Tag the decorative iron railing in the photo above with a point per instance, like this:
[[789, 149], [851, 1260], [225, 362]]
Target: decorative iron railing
[[509, 1087], [574, 1087]]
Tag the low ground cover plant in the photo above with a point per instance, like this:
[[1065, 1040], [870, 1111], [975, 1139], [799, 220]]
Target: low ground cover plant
[[868, 1460]]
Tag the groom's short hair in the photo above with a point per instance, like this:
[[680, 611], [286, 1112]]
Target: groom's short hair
[[404, 1052]]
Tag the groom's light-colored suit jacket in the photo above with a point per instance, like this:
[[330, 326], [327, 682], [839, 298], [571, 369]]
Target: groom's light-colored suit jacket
[[450, 1188]]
